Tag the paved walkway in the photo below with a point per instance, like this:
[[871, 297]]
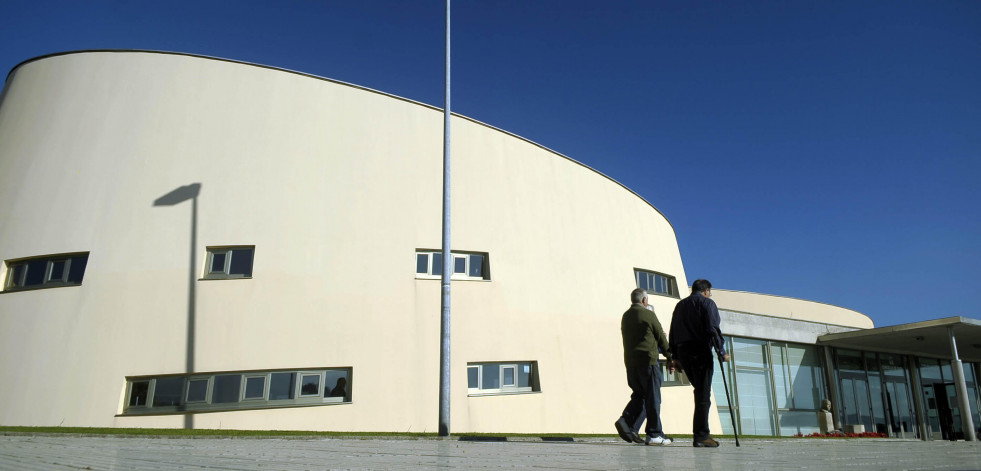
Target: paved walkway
[[68, 452]]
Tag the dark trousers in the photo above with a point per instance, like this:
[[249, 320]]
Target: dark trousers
[[645, 398], [699, 369]]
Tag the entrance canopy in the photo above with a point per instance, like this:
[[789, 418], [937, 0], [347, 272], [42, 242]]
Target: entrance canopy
[[927, 339]]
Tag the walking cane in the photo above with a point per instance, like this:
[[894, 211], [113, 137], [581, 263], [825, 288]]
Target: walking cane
[[732, 413]]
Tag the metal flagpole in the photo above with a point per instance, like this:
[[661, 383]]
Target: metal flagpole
[[444, 324], [732, 413]]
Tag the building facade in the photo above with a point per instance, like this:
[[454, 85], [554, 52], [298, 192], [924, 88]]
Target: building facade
[[195, 242]]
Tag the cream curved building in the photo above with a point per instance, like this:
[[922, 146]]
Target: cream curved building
[[196, 242]]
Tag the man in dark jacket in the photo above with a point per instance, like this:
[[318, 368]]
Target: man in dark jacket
[[695, 332], [642, 338]]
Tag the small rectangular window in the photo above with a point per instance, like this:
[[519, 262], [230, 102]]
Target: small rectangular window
[[476, 266], [45, 272], [677, 378], [465, 266], [168, 391], [230, 262], [139, 391], [197, 390], [35, 273], [204, 392], [508, 373], [309, 385], [337, 384], [524, 376], [226, 389], [502, 378], [282, 386], [255, 387], [241, 262], [218, 262], [656, 283], [57, 270], [437, 267], [491, 378], [473, 376]]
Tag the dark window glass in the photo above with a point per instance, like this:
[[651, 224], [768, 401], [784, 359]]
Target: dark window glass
[[138, 393], [642, 281], [17, 274], [492, 377], [459, 265], [524, 375], [197, 390], [472, 376], [255, 388], [218, 262], [77, 268], [226, 389], [476, 266], [422, 263], [50, 271], [168, 392], [309, 385], [57, 270], [438, 264], [241, 262], [281, 386], [339, 379], [35, 272]]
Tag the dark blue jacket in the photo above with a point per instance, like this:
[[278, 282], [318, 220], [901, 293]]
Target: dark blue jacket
[[695, 326]]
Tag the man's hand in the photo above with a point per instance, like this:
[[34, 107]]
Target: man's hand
[[725, 357]]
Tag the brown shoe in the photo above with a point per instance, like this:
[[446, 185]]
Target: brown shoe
[[707, 443]]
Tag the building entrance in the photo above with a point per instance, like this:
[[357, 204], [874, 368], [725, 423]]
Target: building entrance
[[875, 393], [941, 405]]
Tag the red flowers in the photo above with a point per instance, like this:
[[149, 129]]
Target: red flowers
[[837, 434]]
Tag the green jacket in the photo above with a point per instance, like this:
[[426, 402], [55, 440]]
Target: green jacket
[[642, 337]]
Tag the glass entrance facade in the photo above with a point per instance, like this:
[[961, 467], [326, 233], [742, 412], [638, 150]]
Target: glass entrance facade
[[776, 387], [875, 391], [943, 412]]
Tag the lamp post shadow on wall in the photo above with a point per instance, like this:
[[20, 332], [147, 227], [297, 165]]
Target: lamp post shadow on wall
[[175, 197]]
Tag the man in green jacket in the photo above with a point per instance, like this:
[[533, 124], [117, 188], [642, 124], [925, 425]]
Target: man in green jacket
[[643, 338]]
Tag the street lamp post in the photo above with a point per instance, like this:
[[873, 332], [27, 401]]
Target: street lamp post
[[444, 324]]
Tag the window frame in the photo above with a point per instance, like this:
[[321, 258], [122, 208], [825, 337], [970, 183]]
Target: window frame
[[245, 387], [320, 384], [228, 252], [432, 273], [16, 282], [670, 282], [207, 389], [242, 402], [503, 389], [678, 378]]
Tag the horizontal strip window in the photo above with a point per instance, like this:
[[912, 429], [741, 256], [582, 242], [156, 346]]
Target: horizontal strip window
[[229, 262], [49, 271], [677, 378], [502, 378], [228, 391], [465, 265], [656, 283]]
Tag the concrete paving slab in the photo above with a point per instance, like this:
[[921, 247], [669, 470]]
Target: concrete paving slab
[[68, 452]]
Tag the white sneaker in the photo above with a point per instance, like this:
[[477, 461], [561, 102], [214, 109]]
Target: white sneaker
[[658, 441]]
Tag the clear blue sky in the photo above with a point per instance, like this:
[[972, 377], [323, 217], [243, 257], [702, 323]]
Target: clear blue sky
[[823, 150]]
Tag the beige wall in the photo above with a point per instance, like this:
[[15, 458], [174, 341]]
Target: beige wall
[[790, 308], [336, 187]]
